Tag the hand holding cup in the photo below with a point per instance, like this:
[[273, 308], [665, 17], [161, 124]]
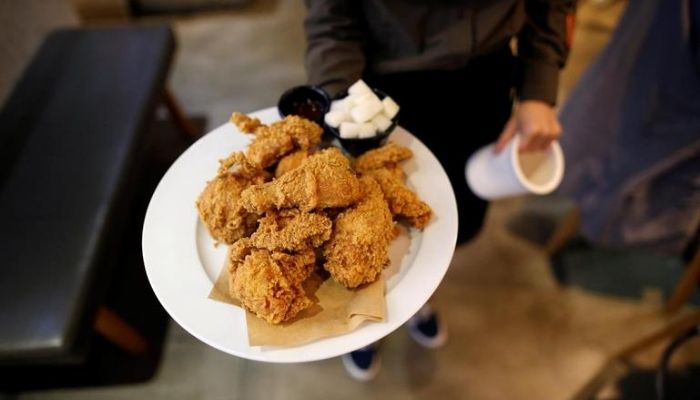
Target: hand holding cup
[[537, 123], [527, 157]]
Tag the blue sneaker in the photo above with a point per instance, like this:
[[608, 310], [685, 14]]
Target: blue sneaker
[[426, 328], [363, 364]]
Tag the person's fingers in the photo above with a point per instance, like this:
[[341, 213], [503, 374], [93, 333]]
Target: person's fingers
[[533, 144], [507, 134], [541, 143], [540, 139], [553, 133], [537, 130], [558, 130], [528, 137], [548, 136]]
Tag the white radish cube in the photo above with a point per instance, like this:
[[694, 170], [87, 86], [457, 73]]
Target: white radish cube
[[390, 107], [381, 122], [334, 118], [349, 130], [371, 96], [342, 104], [350, 101], [367, 130], [359, 87], [366, 110], [355, 99]]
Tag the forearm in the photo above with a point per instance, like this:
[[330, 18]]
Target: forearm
[[542, 49], [334, 55]]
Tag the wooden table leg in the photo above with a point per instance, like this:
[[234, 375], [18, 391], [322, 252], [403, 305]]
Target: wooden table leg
[[676, 327], [119, 332], [179, 116], [686, 286], [565, 230]]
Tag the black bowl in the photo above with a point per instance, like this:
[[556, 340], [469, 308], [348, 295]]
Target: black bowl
[[310, 102], [359, 146]]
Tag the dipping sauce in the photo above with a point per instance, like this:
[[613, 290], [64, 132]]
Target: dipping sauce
[[309, 109], [306, 101]]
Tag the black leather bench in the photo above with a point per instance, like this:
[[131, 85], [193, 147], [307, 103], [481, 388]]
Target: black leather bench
[[72, 139]]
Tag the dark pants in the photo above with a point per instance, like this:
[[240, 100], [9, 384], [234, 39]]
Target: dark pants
[[454, 113]]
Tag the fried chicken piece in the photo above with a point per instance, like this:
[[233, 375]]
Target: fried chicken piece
[[278, 139], [403, 202], [291, 161], [382, 165], [301, 264], [267, 148], [237, 252], [323, 180], [219, 205], [245, 123], [359, 245], [269, 284], [237, 164], [291, 230], [386, 156], [221, 211], [396, 172], [306, 134]]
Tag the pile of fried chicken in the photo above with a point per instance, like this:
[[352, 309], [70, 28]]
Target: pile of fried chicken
[[286, 207]]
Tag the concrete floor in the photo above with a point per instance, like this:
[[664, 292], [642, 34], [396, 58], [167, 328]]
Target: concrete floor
[[218, 66], [515, 334]]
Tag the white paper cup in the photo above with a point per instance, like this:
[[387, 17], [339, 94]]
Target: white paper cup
[[510, 173]]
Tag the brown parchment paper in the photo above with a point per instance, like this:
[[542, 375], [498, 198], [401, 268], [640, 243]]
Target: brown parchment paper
[[336, 311]]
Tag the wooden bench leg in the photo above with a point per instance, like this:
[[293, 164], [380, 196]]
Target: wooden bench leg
[[179, 116], [119, 332], [673, 329], [686, 286]]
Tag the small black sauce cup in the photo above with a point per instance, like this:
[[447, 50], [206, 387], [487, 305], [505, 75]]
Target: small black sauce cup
[[361, 145], [310, 102]]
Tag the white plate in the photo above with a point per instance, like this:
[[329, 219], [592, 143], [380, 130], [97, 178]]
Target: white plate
[[182, 262]]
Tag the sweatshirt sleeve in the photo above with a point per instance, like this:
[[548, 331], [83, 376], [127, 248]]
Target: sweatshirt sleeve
[[542, 48], [334, 53]]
